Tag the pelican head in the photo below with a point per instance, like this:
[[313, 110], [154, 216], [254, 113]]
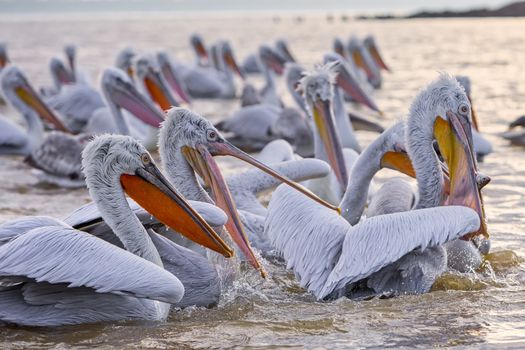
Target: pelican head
[[370, 45], [121, 92], [19, 92], [349, 83], [155, 85], [187, 133], [4, 59], [124, 60], [71, 51], [61, 76], [282, 48], [270, 59], [228, 57], [339, 47], [198, 46], [171, 77], [120, 162], [317, 89], [442, 112]]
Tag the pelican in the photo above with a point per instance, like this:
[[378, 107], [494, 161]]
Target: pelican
[[75, 101], [55, 275], [482, 146], [187, 145], [392, 253], [207, 82], [20, 94]]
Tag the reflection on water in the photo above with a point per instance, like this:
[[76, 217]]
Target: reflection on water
[[485, 307]]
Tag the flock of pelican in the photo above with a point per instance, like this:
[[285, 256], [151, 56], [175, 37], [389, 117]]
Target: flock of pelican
[[155, 239]]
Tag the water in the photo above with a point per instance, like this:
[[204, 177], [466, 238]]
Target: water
[[483, 309]]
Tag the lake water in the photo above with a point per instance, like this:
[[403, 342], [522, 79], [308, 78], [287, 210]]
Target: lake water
[[487, 308]]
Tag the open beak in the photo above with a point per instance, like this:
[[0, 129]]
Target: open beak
[[126, 96], [158, 90], [232, 63], [27, 94], [374, 52], [350, 85], [203, 163], [454, 139], [150, 189], [324, 121], [174, 82]]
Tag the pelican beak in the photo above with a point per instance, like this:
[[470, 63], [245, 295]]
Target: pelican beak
[[126, 96], [28, 95], [158, 90], [232, 63], [454, 139], [351, 86], [201, 160], [201, 50], [174, 82], [398, 160], [374, 52], [276, 63], [150, 189], [324, 121], [360, 62]]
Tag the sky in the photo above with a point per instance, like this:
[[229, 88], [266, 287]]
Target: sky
[[354, 6]]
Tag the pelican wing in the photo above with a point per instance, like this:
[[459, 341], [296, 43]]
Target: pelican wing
[[60, 255], [245, 186], [59, 155], [307, 235], [13, 228], [379, 241]]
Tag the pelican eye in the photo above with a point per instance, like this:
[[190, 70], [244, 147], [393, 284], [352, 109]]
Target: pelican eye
[[145, 158], [211, 135], [463, 109]]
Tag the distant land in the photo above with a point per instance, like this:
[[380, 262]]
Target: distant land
[[515, 9]]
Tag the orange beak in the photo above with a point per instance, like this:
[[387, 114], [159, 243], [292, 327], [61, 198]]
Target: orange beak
[[153, 192]]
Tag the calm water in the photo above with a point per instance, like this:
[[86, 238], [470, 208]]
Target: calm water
[[483, 309]]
